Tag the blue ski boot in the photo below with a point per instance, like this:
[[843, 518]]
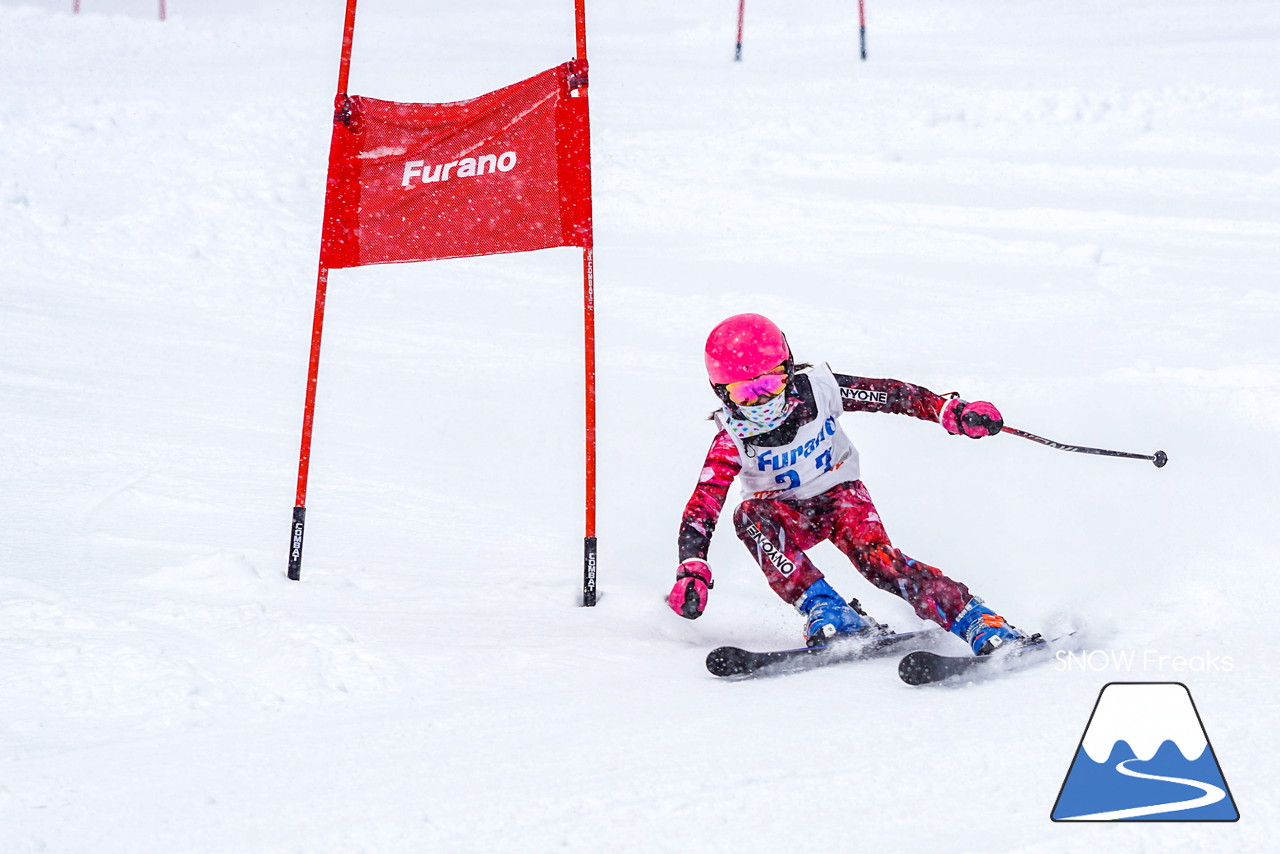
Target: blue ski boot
[[982, 629], [830, 617]]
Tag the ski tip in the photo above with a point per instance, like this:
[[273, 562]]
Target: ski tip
[[917, 668], [727, 661], [925, 668]]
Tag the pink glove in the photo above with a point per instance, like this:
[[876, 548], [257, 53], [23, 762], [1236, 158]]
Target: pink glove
[[974, 420], [688, 597]]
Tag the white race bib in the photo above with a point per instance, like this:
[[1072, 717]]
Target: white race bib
[[819, 457]]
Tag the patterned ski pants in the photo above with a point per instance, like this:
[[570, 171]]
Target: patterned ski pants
[[777, 532]]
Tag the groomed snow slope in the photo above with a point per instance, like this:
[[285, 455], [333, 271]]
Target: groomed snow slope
[[1072, 210]]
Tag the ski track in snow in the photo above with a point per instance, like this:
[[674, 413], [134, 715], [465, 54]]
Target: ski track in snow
[[1067, 209]]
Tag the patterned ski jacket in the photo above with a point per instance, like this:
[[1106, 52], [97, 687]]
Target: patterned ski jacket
[[804, 456]]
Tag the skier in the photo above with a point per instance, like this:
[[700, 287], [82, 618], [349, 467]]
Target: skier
[[800, 483]]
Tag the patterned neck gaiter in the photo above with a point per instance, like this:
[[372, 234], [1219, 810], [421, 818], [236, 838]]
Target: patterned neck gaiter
[[758, 420]]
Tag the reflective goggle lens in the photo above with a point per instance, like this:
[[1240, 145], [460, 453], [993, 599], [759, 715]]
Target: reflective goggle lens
[[759, 388]]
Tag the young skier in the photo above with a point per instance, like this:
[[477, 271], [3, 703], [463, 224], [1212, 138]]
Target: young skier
[[800, 483]]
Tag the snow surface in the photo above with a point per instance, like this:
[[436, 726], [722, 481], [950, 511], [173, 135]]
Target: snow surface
[[1070, 209]]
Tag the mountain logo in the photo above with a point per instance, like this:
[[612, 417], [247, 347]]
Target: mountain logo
[[1144, 756]]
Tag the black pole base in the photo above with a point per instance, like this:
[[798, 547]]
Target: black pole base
[[589, 572], [295, 543]]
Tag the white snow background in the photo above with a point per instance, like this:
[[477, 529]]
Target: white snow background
[[1070, 209]]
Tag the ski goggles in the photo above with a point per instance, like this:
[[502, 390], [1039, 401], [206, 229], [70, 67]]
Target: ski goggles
[[758, 389]]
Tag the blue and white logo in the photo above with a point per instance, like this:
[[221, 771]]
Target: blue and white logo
[[1145, 756]]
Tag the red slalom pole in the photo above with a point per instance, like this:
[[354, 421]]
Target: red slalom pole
[[298, 526], [737, 51], [862, 28], [589, 341]]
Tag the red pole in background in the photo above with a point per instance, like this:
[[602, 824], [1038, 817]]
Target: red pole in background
[[589, 343], [737, 51], [75, 8], [317, 327], [862, 28]]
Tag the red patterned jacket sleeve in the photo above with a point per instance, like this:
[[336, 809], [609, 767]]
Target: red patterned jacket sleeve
[[703, 510], [861, 394]]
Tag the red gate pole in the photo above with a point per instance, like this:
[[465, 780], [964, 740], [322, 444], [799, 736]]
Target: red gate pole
[[737, 51], [298, 527], [589, 339], [589, 345], [162, 15], [862, 29]]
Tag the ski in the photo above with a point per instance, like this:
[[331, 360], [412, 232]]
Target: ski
[[733, 661], [923, 667]]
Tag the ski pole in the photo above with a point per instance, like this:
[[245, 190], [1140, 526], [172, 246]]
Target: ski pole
[[1159, 457]]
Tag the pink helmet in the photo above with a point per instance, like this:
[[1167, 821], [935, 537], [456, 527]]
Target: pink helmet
[[744, 346]]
